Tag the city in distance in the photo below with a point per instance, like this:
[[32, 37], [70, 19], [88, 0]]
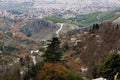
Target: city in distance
[[64, 8]]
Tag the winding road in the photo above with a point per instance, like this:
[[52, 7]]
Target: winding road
[[57, 32]]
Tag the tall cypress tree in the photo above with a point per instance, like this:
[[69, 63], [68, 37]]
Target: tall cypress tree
[[53, 52]]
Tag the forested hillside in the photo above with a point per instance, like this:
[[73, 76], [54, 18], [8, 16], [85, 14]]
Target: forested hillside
[[59, 40]]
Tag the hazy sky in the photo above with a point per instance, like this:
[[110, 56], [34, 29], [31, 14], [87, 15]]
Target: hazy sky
[[73, 0]]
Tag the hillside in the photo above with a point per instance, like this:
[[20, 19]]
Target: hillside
[[15, 50], [85, 52], [117, 21], [39, 29], [87, 19], [59, 39], [83, 49], [56, 19], [45, 29], [96, 17], [86, 39]]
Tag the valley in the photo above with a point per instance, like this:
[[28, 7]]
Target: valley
[[59, 40]]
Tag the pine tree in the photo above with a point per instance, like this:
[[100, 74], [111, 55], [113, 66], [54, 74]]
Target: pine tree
[[110, 67], [53, 52]]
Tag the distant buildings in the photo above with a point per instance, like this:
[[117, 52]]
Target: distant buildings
[[62, 8]]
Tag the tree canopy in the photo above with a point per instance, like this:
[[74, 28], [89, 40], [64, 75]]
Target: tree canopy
[[53, 52], [110, 67], [51, 71]]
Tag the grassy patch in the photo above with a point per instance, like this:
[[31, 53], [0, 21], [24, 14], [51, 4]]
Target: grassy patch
[[56, 19]]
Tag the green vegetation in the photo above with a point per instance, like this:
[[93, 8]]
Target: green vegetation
[[1, 18], [87, 19], [53, 52], [56, 19], [116, 10], [26, 31], [51, 68], [96, 17], [33, 71], [73, 76], [110, 67]]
